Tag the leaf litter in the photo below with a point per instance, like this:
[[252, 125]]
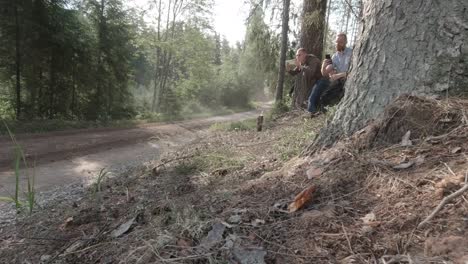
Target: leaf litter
[[362, 209]]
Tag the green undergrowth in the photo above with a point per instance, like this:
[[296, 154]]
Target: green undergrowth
[[295, 138]]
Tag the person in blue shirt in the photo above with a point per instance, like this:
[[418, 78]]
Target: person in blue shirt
[[334, 72]]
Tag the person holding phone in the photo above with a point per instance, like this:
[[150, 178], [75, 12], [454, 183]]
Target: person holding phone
[[334, 70]]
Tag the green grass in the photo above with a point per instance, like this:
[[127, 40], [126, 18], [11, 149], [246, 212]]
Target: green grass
[[30, 192], [97, 186], [294, 139]]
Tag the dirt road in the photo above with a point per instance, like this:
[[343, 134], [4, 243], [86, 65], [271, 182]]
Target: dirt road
[[76, 156]]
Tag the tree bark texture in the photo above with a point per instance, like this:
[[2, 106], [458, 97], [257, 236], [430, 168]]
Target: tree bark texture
[[313, 26], [406, 47], [284, 44]]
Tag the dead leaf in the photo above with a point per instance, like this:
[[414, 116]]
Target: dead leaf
[[419, 160], [456, 150], [370, 220], [68, 222], [184, 246], [405, 141], [404, 165], [301, 199], [447, 184], [258, 222], [123, 228], [313, 173], [370, 217]]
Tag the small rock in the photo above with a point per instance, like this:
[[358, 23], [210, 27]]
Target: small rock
[[230, 241], [214, 236], [45, 258], [249, 256], [235, 219], [314, 173]]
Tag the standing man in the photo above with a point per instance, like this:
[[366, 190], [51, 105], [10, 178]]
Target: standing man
[[307, 72], [329, 89]]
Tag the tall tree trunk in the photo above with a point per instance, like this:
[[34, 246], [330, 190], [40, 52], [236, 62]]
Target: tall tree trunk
[[313, 26], [348, 13], [157, 69], [73, 100], [413, 47], [327, 25], [52, 84], [18, 62], [100, 66], [284, 46]]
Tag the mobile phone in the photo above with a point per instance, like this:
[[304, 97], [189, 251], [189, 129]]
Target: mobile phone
[[328, 57]]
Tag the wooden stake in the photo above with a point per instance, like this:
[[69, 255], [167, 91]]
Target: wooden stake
[[259, 123]]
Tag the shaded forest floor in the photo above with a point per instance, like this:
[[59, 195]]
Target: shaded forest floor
[[225, 197]]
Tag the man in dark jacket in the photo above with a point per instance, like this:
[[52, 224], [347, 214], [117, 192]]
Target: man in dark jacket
[[307, 72]]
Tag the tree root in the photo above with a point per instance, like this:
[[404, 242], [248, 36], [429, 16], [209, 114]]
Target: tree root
[[442, 203]]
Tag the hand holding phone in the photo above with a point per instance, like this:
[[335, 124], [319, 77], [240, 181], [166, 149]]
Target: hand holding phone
[[328, 59]]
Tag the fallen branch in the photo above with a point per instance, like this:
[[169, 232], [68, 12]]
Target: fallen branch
[[442, 203]]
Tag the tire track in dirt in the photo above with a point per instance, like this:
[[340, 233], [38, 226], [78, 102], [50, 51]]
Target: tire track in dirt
[[65, 157]]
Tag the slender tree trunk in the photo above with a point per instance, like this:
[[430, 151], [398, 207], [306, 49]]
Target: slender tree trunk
[[18, 62], [412, 47], [157, 69], [313, 26], [73, 100], [284, 45], [348, 13], [51, 86], [163, 61], [100, 67], [327, 25]]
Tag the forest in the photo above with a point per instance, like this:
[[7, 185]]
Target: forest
[[334, 131], [107, 60]]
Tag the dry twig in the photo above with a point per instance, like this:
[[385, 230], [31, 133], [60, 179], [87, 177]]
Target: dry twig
[[442, 203], [347, 239], [396, 259], [163, 164]]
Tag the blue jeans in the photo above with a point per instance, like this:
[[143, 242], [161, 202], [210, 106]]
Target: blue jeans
[[314, 97]]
